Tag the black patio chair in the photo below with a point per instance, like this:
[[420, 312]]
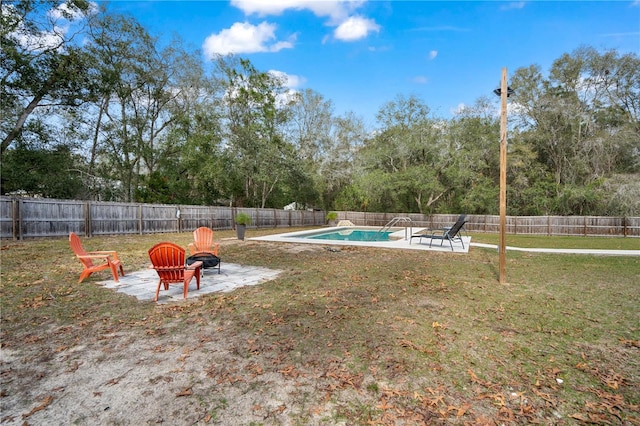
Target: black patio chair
[[449, 233]]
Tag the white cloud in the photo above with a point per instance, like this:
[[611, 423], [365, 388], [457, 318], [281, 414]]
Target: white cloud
[[628, 34], [433, 54], [355, 28], [337, 10], [264, 8], [64, 11], [420, 79], [340, 14], [459, 109], [41, 41], [290, 80], [513, 5], [245, 38], [53, 34], [379, 48]]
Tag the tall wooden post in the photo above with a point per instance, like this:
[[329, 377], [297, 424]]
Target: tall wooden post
[[503, 176]]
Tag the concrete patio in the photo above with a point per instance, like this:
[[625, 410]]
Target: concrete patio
[[142, 284]]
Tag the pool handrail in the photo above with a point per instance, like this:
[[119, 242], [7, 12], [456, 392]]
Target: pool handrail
[[395, 221]]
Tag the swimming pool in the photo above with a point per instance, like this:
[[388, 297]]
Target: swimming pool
[[349, 235], [397, 237]]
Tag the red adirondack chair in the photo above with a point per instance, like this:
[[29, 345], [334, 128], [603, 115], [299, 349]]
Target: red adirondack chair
[[168, 260], [109, 259]]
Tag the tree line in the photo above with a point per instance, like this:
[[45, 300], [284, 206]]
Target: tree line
[[93, 107]]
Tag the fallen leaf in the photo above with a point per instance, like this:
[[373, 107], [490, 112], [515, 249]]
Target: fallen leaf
[[46, 401], [185, 392], [630, 343], [580, 417], [462, 410]]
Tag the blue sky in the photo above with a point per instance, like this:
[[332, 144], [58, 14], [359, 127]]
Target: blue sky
[[362, 54]]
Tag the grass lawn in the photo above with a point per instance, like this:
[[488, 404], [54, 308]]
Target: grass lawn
[[370, 336]]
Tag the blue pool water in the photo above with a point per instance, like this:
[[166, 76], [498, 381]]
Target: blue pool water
[[350, 235]]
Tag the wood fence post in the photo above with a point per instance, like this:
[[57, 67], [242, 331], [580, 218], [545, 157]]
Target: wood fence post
[[233, 217], [88, 228], [140, 219], [584, 226], [20, 218], [15, 219]]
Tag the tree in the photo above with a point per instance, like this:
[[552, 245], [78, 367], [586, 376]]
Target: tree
[[42, 172], [309, 130], [618, 112], [341, 157], [124, 53], [473, 139], [582, 120], [256, 114], [142, 93], [406, 162], [193, 147], [42, 66]]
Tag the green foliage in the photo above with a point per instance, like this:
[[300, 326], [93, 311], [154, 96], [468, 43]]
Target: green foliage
[[622, 193], [254, 131], [480, 197], [243, 218], [578, 200], [46, 173], [159, 188], [352, 198]]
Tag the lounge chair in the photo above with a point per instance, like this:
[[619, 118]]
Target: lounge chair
[[109, 259], [168, 260], [449, 233]]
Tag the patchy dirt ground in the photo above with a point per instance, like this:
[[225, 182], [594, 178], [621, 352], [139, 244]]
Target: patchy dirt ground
[[176, 378], [169, 375]]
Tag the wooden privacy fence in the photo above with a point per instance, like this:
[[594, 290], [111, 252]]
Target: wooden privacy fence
[[23, 218], [523, 225]]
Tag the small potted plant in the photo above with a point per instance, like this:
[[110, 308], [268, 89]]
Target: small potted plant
[[242, 219], [332, 218]]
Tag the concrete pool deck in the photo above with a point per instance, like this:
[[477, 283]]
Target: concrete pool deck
[[399, 239]]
